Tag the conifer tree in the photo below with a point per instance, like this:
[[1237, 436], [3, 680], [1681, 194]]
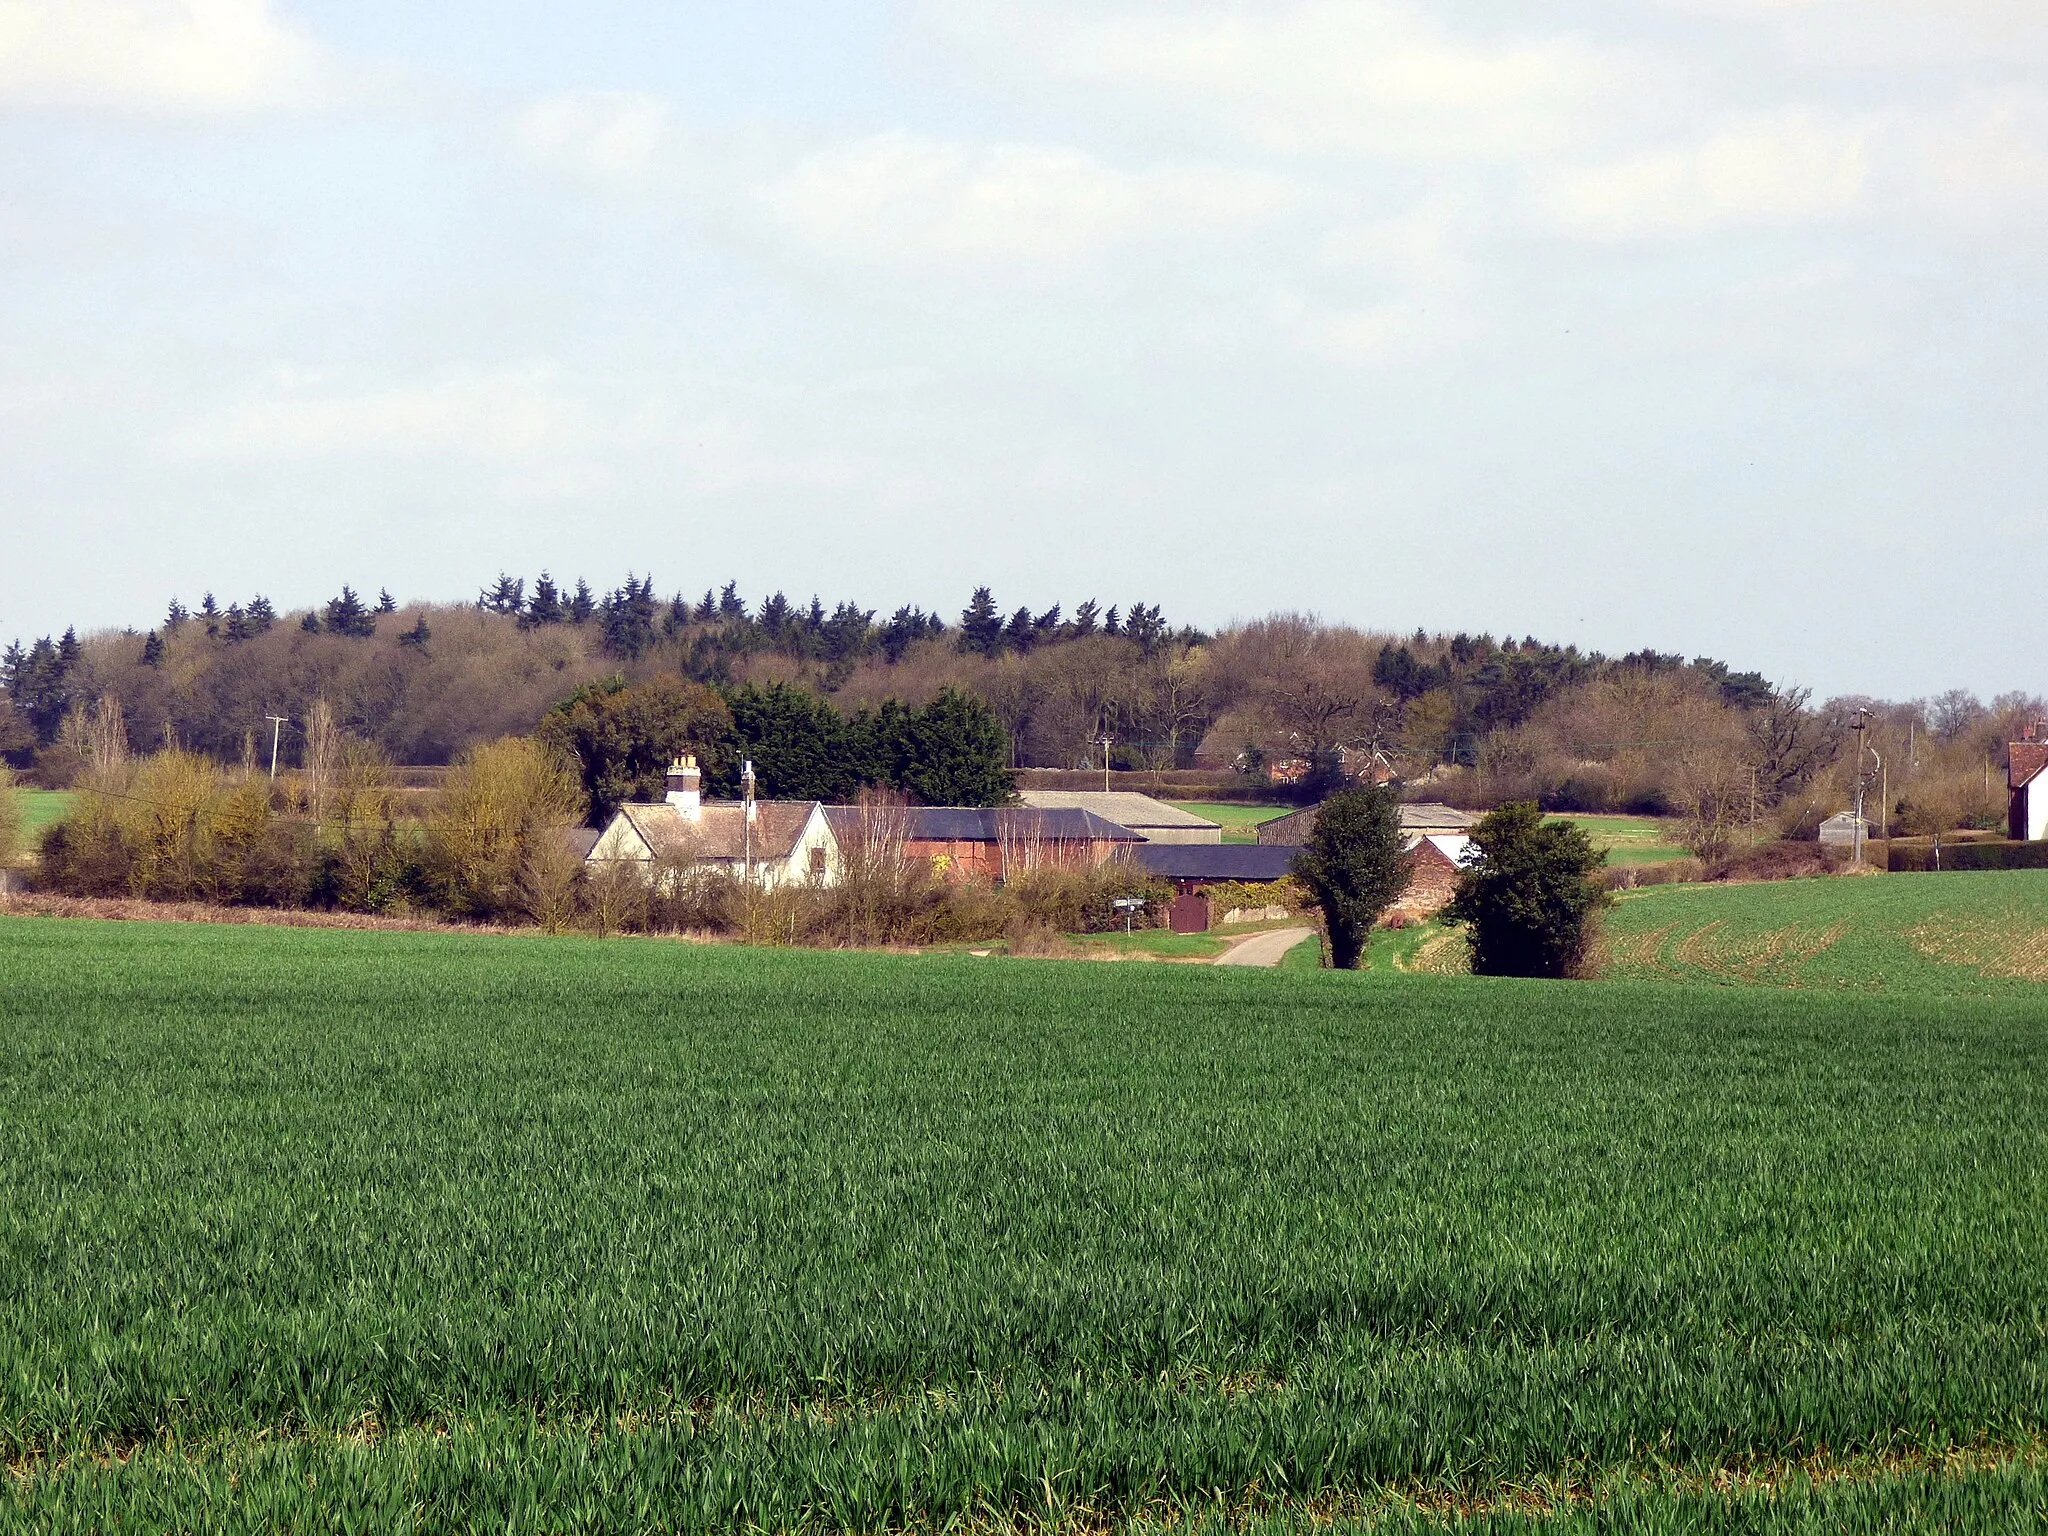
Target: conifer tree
[[581, 604], [981, 626], [153, 650]]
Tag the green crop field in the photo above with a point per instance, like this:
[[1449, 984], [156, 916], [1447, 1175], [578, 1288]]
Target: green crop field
[[317, 1230], [1240, 823], [1977, 932], [1629, 839]]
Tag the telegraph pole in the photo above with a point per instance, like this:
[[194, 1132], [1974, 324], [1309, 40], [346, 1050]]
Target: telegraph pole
[[1103, 741], [1860, 723], [277, 724]]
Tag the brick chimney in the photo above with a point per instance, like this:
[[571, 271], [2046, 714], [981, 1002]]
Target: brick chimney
[[683, 788]]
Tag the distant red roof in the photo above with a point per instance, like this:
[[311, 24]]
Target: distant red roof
[[2025, 760]]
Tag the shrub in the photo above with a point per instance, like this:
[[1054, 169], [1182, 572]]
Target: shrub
[[1531, 900], [1776, 861], [1918, 857], [10, 818], [496, 803]]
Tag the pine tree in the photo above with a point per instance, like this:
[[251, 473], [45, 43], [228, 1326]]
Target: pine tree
[[237, 626], [346, 615], [1086, 616], [506, 595], [310, 623], [981, 626], [706, 610], [545, 607], [730, 605], [176, 616], [1111, 624], [261, 615], [386, 603], [153, 650], [418, 636], [67, 650]]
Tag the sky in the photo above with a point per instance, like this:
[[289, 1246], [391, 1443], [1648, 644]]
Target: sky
[[1715, 326]]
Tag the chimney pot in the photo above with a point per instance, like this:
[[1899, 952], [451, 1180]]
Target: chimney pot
[[684, 787]]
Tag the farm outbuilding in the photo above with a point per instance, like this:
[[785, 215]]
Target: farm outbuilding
[[969, 842], [1422, 819], [1153, 820], [1839, 830]]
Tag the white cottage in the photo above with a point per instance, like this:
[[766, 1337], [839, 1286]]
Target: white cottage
[[2027, 787], [772, 841]]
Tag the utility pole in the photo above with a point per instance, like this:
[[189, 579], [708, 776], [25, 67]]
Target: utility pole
[[747, 832], [277, 724], [1103, 741], [1859, 723], [1752, 807]]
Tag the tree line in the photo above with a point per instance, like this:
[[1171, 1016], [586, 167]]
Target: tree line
[[1287, 700]]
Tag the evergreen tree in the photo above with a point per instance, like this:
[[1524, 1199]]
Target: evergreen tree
[[346, 615], [311, 622], [627, 619], [1018, 633], [581, 604], [797, 741], [210, 612], [1086, 617], [981, 626], [153, 650], [506, 595], [730, 606], [418, 636], [237, 626], [706, 610], [1145, 626], [1111, 623], [1531, 900], [623, 738], [67, 650], [1355, 864], [546, 605], [261, 615], [386, 603], [175, 617], [905, 626], [953, 752]]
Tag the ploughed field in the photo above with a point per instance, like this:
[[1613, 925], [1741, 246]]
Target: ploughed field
[[306, 1229]]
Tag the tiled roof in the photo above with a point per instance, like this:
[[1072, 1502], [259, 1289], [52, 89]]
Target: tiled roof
[[1124, 807], [1424, 816], [720, 830], [2025, 760]]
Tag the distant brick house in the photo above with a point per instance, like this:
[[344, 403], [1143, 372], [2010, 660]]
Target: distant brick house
[[2026, 783], [1435, 862], [964, 842]]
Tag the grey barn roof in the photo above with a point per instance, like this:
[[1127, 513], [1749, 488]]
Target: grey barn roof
[[1217, 861], [1124, 807], [975, 824]]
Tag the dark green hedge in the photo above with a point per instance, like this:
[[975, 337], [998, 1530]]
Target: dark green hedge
[[1918, 857]]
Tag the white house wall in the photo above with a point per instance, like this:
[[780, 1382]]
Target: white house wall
[[2037, 807]]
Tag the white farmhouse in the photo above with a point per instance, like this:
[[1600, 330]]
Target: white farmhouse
[[771, 841], [2027, 787]]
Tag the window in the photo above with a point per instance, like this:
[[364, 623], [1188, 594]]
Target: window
[[817, 863]]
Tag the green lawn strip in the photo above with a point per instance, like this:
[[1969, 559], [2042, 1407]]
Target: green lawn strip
[[1240, 823], [1159, 942], [887, 1240], [1979, 932], [44, 808], [1629, 839]]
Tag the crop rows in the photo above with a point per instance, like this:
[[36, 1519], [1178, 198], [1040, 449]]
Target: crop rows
[[612, 1236]]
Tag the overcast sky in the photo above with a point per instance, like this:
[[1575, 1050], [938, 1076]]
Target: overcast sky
[[1712, 325]]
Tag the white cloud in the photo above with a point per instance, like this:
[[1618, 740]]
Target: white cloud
[[152, 55], [898, 199], [621, 138], [511, 413], [1346, 77], [1790, 167]]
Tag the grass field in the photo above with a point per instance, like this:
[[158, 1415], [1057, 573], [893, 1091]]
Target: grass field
[[44, 807], [320, 1230], [1240, 823], [1629, 839], [1978, 932]]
